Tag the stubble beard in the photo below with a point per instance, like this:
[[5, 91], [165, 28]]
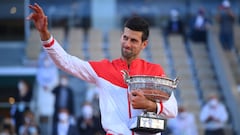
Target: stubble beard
[[126, 54]]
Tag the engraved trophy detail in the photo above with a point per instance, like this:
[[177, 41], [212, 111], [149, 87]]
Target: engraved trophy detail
[[155, 88]]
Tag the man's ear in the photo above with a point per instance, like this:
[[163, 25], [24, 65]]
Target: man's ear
[[145, 43]]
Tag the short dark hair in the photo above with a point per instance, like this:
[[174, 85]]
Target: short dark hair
[[137, 23]]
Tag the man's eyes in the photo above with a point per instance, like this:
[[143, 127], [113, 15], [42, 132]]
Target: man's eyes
[[132, 40]]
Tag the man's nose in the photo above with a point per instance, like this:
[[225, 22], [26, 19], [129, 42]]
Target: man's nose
[[127, 43]]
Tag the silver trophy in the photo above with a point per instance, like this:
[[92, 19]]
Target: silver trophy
[[155, 88]]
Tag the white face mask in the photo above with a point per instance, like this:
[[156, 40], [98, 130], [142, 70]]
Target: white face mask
[[87, 111], [64, 82], [32, 130], [213, 102], [21, 106], [63, 117]]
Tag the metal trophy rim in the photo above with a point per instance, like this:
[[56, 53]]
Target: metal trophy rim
[[161, 80]]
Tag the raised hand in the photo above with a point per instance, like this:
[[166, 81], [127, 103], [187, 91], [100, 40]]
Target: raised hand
[[40, 21]]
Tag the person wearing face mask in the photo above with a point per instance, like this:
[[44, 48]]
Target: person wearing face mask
[[46, 78], [29, 127], [23, 100], [63, 97], [199, 26], [64, 125], [88, 123], [47, 73], [226, 18], [7, 127], [184, 123], [214, 116], [175, 25]]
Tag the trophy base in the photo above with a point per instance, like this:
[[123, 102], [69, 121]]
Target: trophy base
[[146, 130], [148, 124]]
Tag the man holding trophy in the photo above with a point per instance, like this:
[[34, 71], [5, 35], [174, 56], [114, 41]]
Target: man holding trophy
[[135, 97]]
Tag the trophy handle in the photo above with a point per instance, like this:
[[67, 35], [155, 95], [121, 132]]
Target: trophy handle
[[176, 81]]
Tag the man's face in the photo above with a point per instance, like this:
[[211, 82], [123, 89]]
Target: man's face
[[131, 44]]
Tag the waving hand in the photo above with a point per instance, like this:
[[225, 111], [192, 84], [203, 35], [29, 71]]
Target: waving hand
[[40, 21]]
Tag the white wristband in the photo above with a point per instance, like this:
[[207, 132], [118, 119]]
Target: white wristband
[[159, 107], [47, 41]]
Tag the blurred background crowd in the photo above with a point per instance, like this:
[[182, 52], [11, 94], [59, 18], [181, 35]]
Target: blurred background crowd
[[196, 40]]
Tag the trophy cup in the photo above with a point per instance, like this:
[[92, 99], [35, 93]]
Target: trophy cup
[[155, 88]]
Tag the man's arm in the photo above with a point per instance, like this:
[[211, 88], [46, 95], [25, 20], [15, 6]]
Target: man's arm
[[167, 109], [70, 64], [139, 101]]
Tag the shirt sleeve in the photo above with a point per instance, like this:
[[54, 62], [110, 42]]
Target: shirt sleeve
[[68, 63], [169, 108]]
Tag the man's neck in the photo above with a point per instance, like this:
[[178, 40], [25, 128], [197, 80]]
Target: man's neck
[[129, 61]]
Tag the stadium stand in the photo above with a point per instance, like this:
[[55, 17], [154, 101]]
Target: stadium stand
[[75, 42], [95, 44], [33, 48], [114, 46], [157, 49]]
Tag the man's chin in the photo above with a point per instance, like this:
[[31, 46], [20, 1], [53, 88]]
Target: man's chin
[[126, 55]]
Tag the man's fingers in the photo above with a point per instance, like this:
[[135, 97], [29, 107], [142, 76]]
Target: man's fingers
[[33, 7], [30, 17], [36, 8], [136, 93], [39, 9]]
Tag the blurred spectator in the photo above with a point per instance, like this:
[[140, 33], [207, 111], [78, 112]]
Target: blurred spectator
[[7, 127], [7, 130], [199, 27], [214, 116], [92, 97], [29, 127], [184, 123], [88, 124], [226, 18], [92, 90], [22, 104], [65, 126], [167, 131], [97, 115], [47, 79], [175, 24], [63, 97]]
